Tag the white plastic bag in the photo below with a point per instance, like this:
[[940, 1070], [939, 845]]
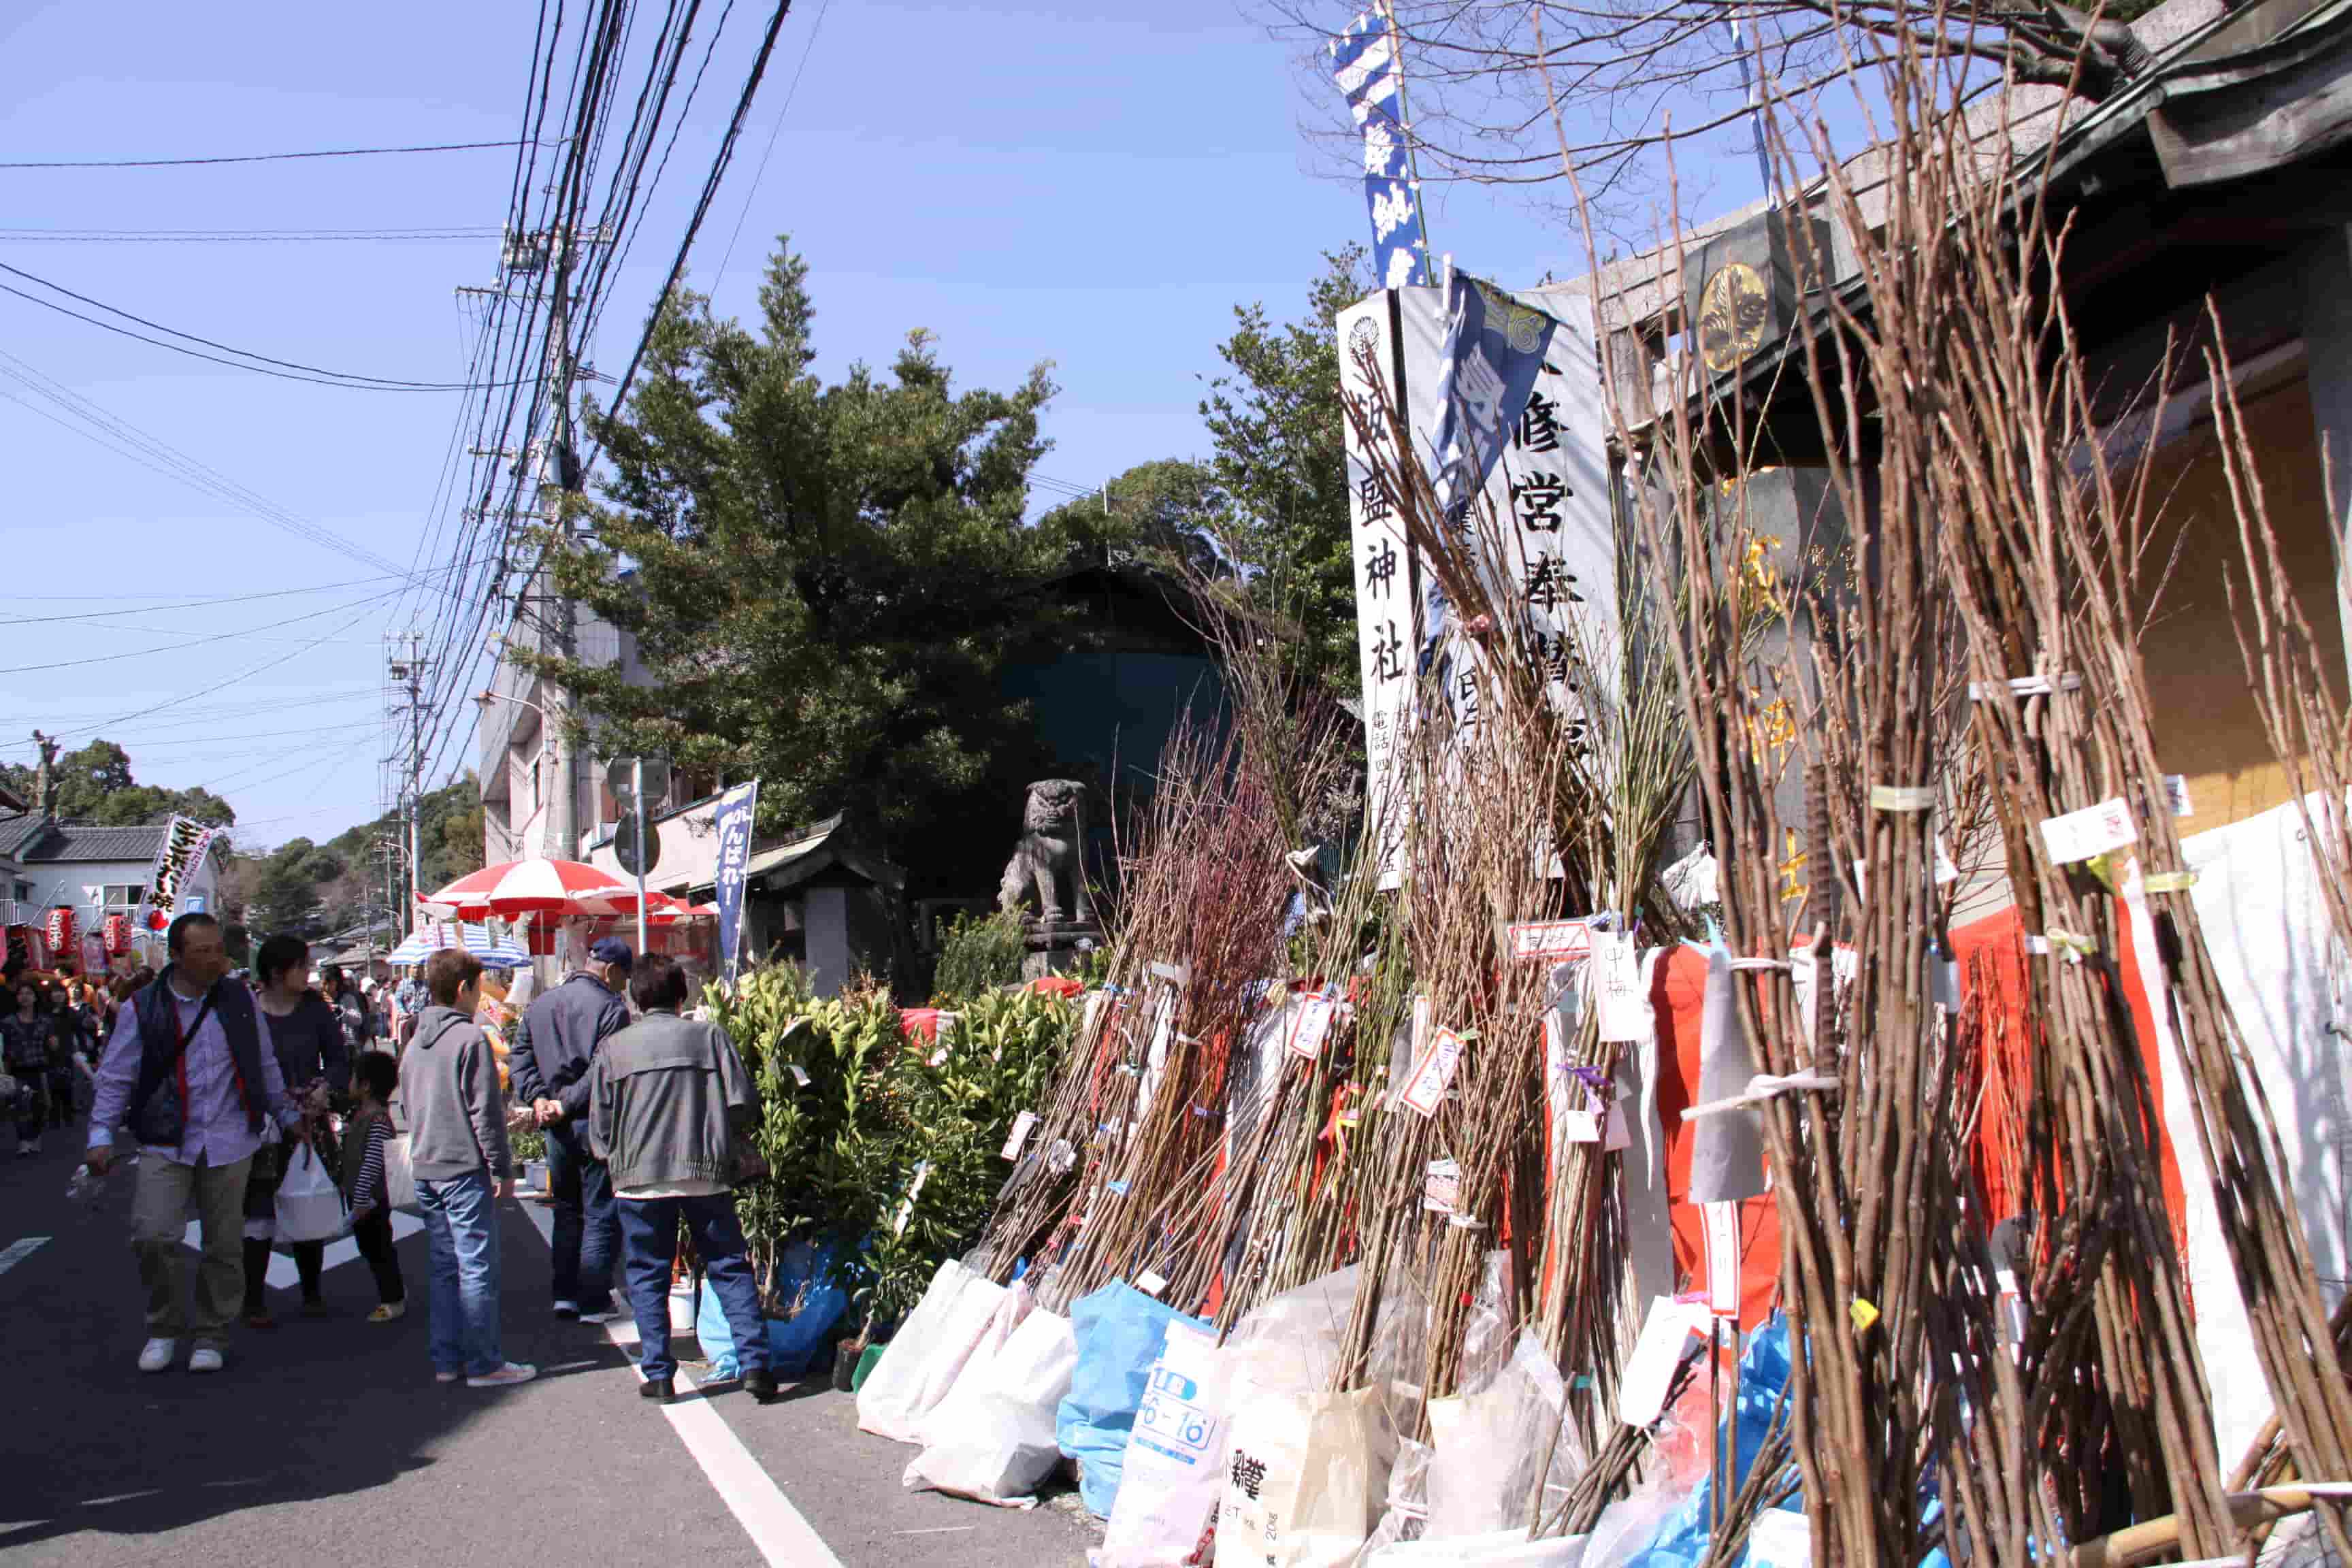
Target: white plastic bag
[[1004, 1446], [884, 1404], [1491, 1445], [309, 1204], [1306, 1477], [949, 1417], [944, 1351], [399, 1174], [1501, 1549], [1172, 1477]]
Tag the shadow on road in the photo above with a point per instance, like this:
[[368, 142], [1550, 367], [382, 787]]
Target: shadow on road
[[316, 1409]]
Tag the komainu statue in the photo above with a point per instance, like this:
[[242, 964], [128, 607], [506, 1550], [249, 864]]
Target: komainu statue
[[1052, 852]]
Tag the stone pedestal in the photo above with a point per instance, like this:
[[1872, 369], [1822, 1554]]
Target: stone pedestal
[[1055, 946]]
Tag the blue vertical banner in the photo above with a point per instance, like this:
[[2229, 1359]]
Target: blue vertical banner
[[1369, 76], [733, 821]]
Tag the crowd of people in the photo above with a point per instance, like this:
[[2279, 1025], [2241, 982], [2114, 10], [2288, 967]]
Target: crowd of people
[[226, 1079]]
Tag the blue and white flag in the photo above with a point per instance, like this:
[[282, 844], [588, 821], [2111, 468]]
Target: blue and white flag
[[733, 821], [1494, 349], [1364, 63]]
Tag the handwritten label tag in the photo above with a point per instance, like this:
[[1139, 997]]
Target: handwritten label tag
[[1945, 871], [2176, 794], [1425, 1085], [1624, 1012], [2093, 830], [1310, 1024], [1650, 1371], [1020, 1134], [1551, 939], [799, 1074], [1151, 1282], [1442, 1188]]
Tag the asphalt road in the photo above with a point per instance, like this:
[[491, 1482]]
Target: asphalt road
[[327, 1441]]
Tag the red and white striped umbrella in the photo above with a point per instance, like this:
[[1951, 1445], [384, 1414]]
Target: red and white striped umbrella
[[531, 888]]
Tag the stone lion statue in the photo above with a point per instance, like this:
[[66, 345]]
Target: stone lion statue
[[1052, 850]]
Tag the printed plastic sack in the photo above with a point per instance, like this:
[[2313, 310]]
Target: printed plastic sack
[[1169, 1485], [946, 1418], [309, 1204], [883, 1404], [1120, 1332], [1292, 1341], [1497, 1549], [1005, 1446], [1306, 1477], [1491, 1445]]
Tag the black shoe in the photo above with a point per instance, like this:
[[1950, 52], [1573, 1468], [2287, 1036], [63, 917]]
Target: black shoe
[[656, 1388], [761, 1384]]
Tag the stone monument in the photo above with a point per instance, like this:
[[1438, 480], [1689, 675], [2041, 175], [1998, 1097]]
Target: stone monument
[[1050, 857]]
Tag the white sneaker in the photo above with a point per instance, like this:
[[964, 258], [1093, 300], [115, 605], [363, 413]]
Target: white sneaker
[[608, 1315], [447, 1377], [513, 1372], [35, 1146], [204, 1358], [157, 1354]]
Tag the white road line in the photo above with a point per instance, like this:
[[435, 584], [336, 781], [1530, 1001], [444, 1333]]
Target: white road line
[[17, 1251], [782, 1535]]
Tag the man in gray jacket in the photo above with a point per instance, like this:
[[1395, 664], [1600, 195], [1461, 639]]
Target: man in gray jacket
[[554, 1041], [457, 1150], [668, 1099]]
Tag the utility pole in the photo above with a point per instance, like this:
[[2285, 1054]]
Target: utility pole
[[407, 672], [553, 252]]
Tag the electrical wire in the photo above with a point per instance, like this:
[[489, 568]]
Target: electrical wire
[[318, 373], [196, 642], [237, 235], [768, 150], [147, 609], [255, 157]]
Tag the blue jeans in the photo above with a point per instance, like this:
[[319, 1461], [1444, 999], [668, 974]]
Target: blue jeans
[[461, 1229], [587, 1234], [649, 1235]]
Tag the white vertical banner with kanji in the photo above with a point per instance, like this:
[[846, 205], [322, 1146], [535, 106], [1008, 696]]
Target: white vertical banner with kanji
[[1550, 495]]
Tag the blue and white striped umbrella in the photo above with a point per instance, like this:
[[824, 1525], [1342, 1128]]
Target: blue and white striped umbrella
[[497, 953]]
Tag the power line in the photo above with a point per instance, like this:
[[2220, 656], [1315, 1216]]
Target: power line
[[313, 372], [773, 131], [196, 642], [148, 609], [255, 157], [237, 235]]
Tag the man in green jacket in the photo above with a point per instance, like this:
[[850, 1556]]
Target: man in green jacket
[[667, 1099]]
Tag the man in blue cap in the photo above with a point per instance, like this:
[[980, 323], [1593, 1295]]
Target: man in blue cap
[[555, 1042]]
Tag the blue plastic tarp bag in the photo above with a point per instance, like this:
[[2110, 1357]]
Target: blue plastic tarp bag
[[1120, 1332], [802, 1278], [1682, 1539]]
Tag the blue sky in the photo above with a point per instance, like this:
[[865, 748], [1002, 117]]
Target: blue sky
[[1095, 185]]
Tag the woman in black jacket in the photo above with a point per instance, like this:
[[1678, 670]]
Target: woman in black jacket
[[306, 1034]]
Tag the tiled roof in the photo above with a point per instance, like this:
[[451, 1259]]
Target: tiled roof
[[18, 833], [82, 841]]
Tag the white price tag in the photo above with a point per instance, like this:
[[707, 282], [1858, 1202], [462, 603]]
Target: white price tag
[[1151, 1282], [799, 1074], [2176, 794], [1723, 1258], [1945, 871], [1624, 1012], [1425, 1085], [2093, 830], [1020, 1134], [1310, 1024]]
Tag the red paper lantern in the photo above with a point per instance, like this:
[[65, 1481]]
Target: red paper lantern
[[61, 930], [118, 934], [158, 920]]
